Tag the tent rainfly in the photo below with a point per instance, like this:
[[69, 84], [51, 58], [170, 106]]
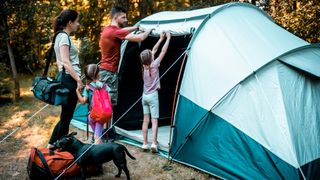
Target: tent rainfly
[[241, 102]]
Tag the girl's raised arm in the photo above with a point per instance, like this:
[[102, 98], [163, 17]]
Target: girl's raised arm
[[165, 46], [156, 46]]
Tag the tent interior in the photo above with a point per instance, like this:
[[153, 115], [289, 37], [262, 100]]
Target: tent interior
[[131, 88]]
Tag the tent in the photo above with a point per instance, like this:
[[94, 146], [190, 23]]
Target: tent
[[246, 103]]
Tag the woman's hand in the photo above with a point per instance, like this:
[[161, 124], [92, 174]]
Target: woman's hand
[[79, 83], [79, 89]]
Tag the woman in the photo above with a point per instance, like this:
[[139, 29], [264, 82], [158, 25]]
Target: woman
[[68, 62]]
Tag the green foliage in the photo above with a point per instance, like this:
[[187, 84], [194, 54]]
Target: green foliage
[[299, 17], [30, 23], [27, 31], [91, 19]]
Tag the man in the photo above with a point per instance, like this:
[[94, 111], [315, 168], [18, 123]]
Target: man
[[110, 43]]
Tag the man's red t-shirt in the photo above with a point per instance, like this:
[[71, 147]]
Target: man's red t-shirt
[[110, 42]]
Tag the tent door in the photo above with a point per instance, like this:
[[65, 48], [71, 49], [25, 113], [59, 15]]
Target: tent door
[[131, 84]]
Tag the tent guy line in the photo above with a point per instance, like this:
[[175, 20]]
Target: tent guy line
[[19, 127]]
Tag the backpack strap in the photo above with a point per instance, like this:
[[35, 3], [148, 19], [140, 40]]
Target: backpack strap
[[89, 109], [51, 50], [92, 89], [44, 162], [104, 86], [87, 127]]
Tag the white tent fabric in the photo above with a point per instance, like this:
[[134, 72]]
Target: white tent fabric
[[232, 44], [182, 15], [260, 98], [231, 53], [304, 59], [178, 23]]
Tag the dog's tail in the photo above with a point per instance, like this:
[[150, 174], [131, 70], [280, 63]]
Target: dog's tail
[[128, 153]]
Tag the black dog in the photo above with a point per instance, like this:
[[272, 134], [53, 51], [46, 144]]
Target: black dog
[[96, 155]]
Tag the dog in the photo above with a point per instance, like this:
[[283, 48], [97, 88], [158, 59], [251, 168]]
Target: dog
[[96, 155]]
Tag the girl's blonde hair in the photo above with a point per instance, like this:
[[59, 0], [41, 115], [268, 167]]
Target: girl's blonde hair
[[146, 59], [91, 72]]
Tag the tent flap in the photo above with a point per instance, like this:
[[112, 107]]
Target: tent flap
[[307, 60]]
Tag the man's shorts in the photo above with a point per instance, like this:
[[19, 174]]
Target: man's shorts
[[111, 79], [150, 104]]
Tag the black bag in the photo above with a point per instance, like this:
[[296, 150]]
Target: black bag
[[47, 89], [50, 91]]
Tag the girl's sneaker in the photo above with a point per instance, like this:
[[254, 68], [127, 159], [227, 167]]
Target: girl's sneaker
[[145, 147], [154, 148]]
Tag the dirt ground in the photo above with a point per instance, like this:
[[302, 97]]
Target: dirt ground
[[35, 131]]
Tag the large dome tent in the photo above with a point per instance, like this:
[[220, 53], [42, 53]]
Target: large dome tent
[[247, 104]]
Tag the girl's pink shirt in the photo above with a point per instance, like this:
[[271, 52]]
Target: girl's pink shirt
[[151, 79]]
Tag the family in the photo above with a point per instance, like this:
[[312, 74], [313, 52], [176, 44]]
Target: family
[[106, 73]]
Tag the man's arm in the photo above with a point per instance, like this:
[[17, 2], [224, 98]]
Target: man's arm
[[131, 29], [156, 46], [138, 37]]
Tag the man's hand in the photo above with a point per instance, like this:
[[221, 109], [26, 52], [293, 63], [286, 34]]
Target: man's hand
[[141, 29]]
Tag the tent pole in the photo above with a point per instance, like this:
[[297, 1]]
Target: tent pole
[[174, 101]]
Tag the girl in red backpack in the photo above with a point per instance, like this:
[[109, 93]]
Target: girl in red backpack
[[92, 79], [151, 85]]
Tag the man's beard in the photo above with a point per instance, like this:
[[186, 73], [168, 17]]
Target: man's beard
[[122, 25]]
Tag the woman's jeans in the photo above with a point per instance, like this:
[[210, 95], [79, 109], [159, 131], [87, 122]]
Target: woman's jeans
[[62, 127]]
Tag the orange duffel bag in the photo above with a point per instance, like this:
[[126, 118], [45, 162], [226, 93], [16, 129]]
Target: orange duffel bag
[[49, 164]]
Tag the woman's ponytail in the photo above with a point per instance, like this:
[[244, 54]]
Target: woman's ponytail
[[62, 20]]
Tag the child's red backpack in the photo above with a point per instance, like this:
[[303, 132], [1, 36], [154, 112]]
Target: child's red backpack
[[101, 108]]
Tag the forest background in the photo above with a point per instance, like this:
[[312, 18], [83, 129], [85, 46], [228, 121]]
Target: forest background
[[26, 27]]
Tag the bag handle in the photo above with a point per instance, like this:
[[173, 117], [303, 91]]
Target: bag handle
[[49, 56], [44, 162]]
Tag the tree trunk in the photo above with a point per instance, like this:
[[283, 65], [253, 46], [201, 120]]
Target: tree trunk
[[150, 4], [143, 9], [16, 93]]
